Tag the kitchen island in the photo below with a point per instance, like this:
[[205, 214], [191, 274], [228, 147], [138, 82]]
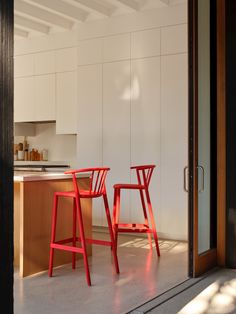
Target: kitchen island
[[33, 201]]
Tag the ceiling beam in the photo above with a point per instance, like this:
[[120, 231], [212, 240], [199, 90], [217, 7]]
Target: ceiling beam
[[30, 24], [63, 8], [43, 15], [20, 32], [131, 4], [95, 7]]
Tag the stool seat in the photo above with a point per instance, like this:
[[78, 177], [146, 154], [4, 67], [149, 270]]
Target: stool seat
[[96, 189], [66, 194], [144, 174], [129, 186], [82, 194]]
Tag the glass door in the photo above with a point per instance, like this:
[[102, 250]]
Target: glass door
[[203, 209]]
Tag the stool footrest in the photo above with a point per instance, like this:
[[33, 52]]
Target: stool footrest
[[94, 241], [134, 225], [135, 230], [91, 241], [66, 248]]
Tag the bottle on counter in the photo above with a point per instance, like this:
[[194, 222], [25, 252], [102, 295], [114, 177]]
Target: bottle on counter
[[26, 151], [20, 155], [32, 155], [41, 156], [37, 155], [45, 154], [15, 151]]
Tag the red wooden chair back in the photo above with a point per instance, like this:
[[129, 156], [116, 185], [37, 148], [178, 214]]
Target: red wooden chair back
[[97, 184], [144, 174]]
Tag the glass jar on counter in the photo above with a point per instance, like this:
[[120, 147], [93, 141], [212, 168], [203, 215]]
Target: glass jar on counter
[[45, 154]]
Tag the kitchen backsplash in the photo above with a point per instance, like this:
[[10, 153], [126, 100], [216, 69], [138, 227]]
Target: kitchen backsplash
[[57, 147]]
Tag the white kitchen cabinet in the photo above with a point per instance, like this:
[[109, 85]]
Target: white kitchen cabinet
[[66, 59], [24, 65], [34, 98], [45, 101], [24, 99], [116, 48], [174, 143], [44, 62], [89, 138], [146, 43], [90, 51], [145, 130], [174, 39], [116, 129], [66, 95]]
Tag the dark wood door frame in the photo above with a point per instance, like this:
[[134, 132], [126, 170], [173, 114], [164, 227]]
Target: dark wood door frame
[[221, 134], [215, 256], [6, 155]]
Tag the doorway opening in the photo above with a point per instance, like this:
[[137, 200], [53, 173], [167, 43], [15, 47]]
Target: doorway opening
[[110, 91]]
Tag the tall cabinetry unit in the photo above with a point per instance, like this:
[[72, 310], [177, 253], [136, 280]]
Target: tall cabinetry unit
[[133, 93]]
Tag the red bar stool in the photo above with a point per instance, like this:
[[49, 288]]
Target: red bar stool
[[144, 174], [97, 189]]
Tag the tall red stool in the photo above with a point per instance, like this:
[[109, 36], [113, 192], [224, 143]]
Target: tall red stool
[[96, 189], [144, 174]]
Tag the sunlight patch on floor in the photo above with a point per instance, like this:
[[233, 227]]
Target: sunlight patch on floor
[[165, 245], [218, 298]]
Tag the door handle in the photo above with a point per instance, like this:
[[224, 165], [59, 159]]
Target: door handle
[[186, 179], [203, 179]]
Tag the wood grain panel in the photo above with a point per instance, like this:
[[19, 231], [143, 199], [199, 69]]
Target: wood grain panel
[[33, 209]]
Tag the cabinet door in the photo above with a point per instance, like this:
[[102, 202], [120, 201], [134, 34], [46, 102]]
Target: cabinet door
[[44, 63], [24, 65], [89, 139], [24, 99], [45, 97], [174, 143], [66, 60], [66, 115], [116, 129], [145, 130], [116, 48]]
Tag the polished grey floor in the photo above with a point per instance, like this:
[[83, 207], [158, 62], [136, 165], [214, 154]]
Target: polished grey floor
[[214, 293], [142, 277]]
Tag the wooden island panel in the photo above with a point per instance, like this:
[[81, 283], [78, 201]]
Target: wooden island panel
[[33, 201]]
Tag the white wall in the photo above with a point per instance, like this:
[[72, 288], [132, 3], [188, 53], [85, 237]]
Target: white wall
[[132, 105]]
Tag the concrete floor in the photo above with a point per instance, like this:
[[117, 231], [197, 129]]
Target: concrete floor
[[143, 276], [214, 293]]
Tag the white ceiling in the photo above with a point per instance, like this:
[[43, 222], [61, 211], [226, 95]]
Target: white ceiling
[[37, 17]]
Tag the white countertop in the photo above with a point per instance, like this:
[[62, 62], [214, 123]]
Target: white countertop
[[23, 176], [43, 163]]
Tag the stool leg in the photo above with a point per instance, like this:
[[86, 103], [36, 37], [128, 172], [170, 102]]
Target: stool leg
[[152, 222], [145, 217], [83, 241], [74, 234], [113, 245], [53, 235], [114, 218], [116, 215]]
